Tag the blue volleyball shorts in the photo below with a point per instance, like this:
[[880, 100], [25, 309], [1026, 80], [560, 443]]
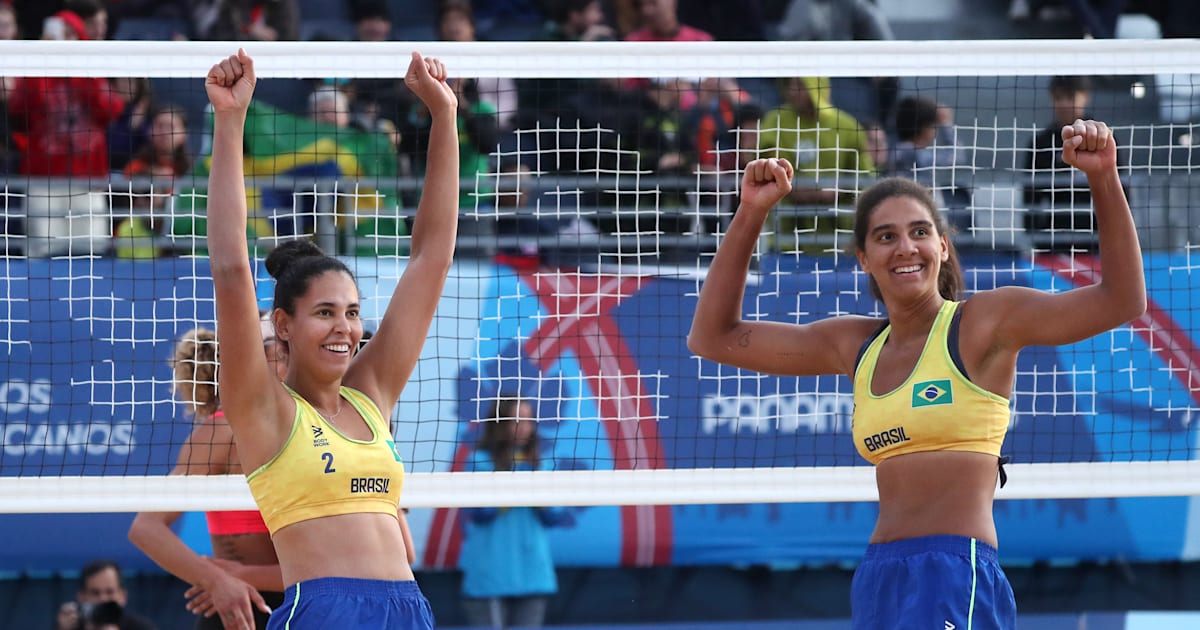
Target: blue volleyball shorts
[[932, 583]]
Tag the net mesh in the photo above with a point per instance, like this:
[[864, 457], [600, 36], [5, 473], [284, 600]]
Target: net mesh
[[589, 214]]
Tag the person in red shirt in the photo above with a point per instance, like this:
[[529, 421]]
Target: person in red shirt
[[65, 119]]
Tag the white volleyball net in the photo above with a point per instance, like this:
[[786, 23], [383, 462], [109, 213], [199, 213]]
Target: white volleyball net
[[598, 180]]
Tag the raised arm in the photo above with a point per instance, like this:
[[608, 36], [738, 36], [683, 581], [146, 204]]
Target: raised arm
[[718, 331], [384, 365], [1025, 316], [244, 376]]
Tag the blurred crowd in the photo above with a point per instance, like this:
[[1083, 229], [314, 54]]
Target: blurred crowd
[[104, 128]]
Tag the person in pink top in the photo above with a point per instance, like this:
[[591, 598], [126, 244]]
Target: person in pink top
[[660, 23]]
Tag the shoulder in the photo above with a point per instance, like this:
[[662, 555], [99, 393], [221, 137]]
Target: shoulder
[[996, 299], [848, 335], [981, 313]]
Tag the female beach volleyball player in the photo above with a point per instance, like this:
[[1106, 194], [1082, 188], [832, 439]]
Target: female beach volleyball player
[[326, 473], [242, 583], [931, 382]]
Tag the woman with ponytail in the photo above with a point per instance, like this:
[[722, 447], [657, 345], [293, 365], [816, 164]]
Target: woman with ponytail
[[931, 382]]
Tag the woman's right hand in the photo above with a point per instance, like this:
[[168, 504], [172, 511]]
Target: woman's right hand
[[427, 79], [230, 83], [766, 181]]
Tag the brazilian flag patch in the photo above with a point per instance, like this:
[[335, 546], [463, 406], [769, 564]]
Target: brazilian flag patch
[[930, 393], [395, 451]]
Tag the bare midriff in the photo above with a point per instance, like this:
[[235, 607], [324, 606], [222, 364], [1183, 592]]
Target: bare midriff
[[936, 493], [366, 545], [248, 549]]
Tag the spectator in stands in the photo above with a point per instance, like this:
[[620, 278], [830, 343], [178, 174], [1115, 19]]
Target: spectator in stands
[[927, 151], [563, 104], [508, 570], [455, 23], [1069, 100], [64, 119], [131, 130], [822, 143], [577, 21], [658, 136], [552, 99], [1052, 179], [9, 29], [372, 21], [330, 105], [10, 159], [161, 159], [100, 583], [871, 99], [166, 153], [733, 150], [377, 98], [660, 23], [94, 16], [261, 20], [710, 117], [817, 138]]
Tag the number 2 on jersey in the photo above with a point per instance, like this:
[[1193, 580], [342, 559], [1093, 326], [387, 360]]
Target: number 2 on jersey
[[328, 458]]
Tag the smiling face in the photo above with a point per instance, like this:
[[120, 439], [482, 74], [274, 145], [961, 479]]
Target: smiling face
[[324, 328], [903, 250]]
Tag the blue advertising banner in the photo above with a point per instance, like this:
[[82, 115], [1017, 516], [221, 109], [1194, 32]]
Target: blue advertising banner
[[86, 390]]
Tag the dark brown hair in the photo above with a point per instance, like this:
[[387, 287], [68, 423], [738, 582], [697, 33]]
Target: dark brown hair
[[950, 276], [294, 265], [497, 437]]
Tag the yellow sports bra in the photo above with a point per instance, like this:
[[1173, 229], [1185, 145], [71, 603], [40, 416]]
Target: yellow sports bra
[[320, 472], [937, 409]]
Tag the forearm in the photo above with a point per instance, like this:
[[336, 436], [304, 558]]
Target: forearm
[[1120, 253], [436, 225], [719, 307], [155, 538], [227, 194]]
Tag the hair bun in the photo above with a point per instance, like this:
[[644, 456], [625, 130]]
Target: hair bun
[[282, 257]]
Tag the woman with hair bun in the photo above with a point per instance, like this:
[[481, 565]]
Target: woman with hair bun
[[317, 447]]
